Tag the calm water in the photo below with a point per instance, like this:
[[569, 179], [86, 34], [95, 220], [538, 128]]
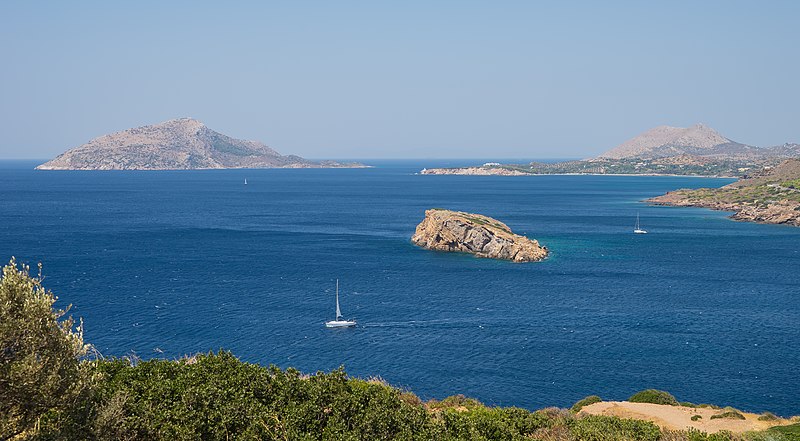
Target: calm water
[[183, 262]]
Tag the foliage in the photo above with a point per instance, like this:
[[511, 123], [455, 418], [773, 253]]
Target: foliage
[[729, 414], [696, 417], [591, 399], [790, 432], [653, 396], [40, 349], [767, 416]]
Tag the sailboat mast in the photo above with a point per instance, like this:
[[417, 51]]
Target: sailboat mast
[[338, 311]]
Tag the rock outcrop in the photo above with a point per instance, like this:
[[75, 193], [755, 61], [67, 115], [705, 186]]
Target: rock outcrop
[[178, 144], [769, 196], [445, 230]]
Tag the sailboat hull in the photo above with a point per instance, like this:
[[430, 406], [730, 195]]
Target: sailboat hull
[[340, 324]]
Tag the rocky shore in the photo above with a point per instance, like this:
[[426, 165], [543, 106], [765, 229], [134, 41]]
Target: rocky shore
[[770, 197], [446, 230]]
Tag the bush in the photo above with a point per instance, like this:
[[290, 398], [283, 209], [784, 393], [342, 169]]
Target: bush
[[790, 432], [591, 399], [653, 396], [730, 414], [767, 416], [40, 373], [697, 417]]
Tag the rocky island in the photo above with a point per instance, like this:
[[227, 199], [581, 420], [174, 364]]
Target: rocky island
[[178, 144], [771, 196], [664, 150], [446, 230]]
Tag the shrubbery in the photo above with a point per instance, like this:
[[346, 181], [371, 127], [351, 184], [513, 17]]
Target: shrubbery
[[591, 399], [653, 396], [729, 414]]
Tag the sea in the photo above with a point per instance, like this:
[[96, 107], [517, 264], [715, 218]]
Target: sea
[[163, 264]]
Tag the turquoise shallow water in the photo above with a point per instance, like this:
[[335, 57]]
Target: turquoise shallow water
[[163, 264]]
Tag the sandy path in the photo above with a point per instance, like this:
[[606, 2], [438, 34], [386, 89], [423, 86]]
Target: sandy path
[[679, 417]]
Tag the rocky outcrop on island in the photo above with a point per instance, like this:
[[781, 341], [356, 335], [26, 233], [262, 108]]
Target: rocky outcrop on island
[[178, 144], [446, 230], [770, 196]]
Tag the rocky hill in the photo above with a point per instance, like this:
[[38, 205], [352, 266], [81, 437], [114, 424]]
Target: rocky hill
[[178, 144], [665, 141], [446, 230], [769, 196]]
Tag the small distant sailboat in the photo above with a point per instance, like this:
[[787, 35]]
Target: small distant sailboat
[[245, 181], [638, 229], [340, 322]]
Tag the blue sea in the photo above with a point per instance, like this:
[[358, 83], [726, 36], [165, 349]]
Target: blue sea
[[163, 264]]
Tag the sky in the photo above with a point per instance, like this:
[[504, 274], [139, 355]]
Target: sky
[[404, 79]]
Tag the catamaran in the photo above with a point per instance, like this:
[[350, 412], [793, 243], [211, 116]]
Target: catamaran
[[340, 322], [638, 229]]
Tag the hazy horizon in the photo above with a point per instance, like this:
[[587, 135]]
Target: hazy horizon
[[451, 80]]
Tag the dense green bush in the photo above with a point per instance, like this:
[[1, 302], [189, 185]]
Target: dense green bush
[[40, 373], [730, 414], [789, 433], [591, 399], [653, 396]]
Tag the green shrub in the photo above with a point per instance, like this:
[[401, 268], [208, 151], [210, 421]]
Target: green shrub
[[767, 416], [653, 396], [730, 414], [688, 404], [40, 348], [696, 417], [790, 432], [591, 399]]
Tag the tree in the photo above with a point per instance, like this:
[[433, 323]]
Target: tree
[[40, 351]]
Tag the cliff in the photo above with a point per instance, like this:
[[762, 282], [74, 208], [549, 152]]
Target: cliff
[[771, 196], [445, 230], [178, 144]]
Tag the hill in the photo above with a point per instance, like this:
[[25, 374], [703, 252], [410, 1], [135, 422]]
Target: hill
[[178, 144], [663, 141]]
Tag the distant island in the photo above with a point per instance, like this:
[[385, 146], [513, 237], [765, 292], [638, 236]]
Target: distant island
[[694, 151], [447, 230], [771, 196], [177, 144]]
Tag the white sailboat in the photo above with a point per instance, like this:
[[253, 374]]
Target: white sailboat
[[340, 322], [245, 181], [638, 229]]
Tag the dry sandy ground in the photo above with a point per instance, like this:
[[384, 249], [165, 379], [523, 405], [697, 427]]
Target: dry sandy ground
[[679, 417]]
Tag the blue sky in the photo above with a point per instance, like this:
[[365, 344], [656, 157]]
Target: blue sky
[[400, 79]]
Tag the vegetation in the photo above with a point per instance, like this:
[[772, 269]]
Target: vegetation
[[653, 396], [697, 417], [767, 416], [729, 414], [591, 399], [790, 432], [49, 390], [40, 350]]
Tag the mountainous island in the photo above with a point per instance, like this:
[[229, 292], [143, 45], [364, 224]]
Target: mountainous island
[[771, 196], [696, 151], [446, 230], [177, 144]]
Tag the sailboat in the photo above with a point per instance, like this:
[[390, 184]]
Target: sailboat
[[638, 229], [340, 322], [245, 181]]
